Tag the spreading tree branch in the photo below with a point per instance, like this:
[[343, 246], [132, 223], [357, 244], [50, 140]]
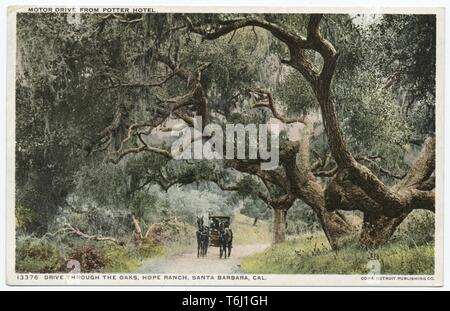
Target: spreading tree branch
[[267, 96]]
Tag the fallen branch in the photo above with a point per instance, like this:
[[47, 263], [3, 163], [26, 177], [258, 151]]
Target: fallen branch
[[68, 228]]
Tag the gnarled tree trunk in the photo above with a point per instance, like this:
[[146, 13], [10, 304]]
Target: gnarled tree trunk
[[336, 227], [384, 208], [377, 228], [354, 187], [305, 186]]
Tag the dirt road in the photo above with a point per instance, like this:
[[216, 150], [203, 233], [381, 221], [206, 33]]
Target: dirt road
[[189, 263]]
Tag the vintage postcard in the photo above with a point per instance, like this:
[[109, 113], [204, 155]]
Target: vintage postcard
[[225, 146]]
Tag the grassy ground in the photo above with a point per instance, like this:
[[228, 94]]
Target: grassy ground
[[309, 254], [245, 233], [120, 259], [412, 251]]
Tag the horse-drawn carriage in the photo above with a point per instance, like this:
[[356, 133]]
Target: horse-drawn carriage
[[216, 233], [214, 228]]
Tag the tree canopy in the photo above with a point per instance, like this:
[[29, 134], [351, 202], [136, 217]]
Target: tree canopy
[[98, 97]]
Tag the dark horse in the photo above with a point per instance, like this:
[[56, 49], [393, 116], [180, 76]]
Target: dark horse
[[202, 238], [225, 239]]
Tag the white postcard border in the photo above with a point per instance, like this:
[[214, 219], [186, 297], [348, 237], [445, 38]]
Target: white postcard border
[[14, 278]]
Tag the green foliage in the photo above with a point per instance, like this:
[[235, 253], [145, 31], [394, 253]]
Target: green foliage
[[143, 203], [119, 258], [144, 167], [24, 217], [371, 114], [301, 219], [71, 83], [149, 249], [372, 121], [400, 52], [309, 255], [233, 66], [248, 186], [173, 226], [256, 208], [104, 183], [405, 47], [51, 255], [296, 94], [55, 110], [417, 229], [34, 255]]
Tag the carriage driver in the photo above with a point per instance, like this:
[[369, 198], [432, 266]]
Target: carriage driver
[[214, 224]]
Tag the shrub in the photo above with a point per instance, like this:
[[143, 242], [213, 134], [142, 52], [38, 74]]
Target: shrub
[[90, 258], [417, 229], [34, 255], [149, 249], [42, 255], [301, 219], [24, 216], [157, 235], [119, 258]]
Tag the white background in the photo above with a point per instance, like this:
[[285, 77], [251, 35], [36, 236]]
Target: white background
[[204, 3]]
